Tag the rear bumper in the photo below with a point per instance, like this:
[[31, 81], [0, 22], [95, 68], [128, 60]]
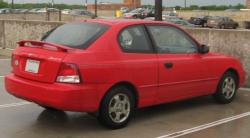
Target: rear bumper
[[61, 96]]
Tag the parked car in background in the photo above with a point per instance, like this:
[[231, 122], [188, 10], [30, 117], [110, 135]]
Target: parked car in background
[[147, 13], [171, 17], [66, 11], [201, 20], [222, 23], [180, 22], [82, 67], [15, 11], [136, 13], [42, 10], [5, 11], [52, 10], [23, 10], [34, 10], [82, 12], [169, 14], [124, 9]]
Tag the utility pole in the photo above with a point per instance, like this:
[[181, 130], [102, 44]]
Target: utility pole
[[52, 3], [86, 4], [12, 4], [158, 10], [185, 3], [95, 8]]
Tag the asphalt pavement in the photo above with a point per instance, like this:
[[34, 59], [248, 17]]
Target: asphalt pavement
[[195, 118]]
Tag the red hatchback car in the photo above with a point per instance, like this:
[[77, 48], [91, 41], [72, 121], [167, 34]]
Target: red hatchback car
[[112, 67]]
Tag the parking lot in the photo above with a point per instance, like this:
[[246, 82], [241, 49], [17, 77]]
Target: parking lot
[[195, 118]]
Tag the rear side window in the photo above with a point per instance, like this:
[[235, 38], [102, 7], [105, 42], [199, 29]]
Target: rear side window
[[76, 35], [135, 40]]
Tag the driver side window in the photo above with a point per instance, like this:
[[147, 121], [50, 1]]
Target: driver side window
[[172, 40]]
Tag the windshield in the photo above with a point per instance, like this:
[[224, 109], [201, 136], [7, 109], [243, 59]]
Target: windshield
[[76, 35]]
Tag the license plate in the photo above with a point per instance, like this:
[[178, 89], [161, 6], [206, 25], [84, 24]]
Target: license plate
[[32, 66]]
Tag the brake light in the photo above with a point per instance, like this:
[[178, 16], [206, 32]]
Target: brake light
[[68, 73], [14, 61]]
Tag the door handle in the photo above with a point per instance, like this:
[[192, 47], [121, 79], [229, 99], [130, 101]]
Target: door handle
[[169, 65]]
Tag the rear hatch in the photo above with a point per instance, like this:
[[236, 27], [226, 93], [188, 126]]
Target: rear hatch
[[39, 61]]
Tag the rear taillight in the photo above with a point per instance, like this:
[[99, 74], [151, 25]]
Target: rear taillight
[[14, 61], [68, 73]]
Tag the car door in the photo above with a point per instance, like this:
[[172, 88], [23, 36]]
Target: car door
[[140, 62], [182, 70]]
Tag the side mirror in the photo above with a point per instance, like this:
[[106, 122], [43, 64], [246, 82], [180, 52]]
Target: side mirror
[[204, 49]]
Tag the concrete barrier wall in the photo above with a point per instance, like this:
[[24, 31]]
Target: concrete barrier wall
[[231, 42], [17, 30], [237, 16]]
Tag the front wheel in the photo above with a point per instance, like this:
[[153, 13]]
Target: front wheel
[[116, 108], [227, 88]]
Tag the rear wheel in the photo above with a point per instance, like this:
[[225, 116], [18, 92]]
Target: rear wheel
[[116, 108], [227, 88]]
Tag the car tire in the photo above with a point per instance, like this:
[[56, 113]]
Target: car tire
[[227, 88], [116, 108]]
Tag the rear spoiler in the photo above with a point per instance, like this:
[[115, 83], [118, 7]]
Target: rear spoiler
[[42, 44]]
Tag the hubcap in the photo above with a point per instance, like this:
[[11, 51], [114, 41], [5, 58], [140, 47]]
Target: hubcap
[[119, 108], [229, 87]]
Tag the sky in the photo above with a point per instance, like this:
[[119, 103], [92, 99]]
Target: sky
[[169, 3]]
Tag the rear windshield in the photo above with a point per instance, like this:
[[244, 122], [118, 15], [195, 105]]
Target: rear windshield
[[76, 35]]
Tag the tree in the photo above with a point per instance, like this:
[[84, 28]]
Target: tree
[[194, 7], [177, 7], [3, 4]]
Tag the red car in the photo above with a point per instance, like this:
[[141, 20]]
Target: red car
[[112, 67]]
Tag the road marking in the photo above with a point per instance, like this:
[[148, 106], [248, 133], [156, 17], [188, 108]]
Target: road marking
[[13, 105], [245, 89], [205, 126]]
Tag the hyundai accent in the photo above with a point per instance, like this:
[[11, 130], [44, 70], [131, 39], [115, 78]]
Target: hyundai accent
[[112, 67]]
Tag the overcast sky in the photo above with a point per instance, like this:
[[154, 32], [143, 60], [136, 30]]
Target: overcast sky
[[166, 2]]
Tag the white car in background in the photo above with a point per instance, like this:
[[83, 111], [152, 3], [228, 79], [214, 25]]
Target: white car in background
[[66, 11], [43, 10]]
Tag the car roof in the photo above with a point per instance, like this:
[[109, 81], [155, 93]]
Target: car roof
[[114, 22]]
